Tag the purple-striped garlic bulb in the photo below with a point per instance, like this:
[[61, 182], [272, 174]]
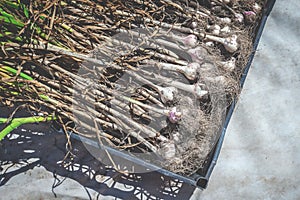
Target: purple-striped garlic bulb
[[250, 16], [174, 116]]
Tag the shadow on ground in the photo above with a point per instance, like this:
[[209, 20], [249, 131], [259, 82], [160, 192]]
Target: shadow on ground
[[48, 149]]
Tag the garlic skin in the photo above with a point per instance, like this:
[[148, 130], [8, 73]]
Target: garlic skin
[[249, 13], [190, 70], [177, 137], [193, 89], [226, 1], [220, 80], [199, 92], [231, 44]]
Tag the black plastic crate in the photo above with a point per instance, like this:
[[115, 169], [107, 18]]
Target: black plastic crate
[[201, 177]]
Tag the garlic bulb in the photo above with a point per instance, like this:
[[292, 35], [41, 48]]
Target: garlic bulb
[[190, 40], [230, 43], [168, 150], [209, 44], [167, 94], [239, 17], [228, 65], [250, 16], [215, 29], [256, 7], [198, 54], [194, 25], [225, 30], [174, 116], [225, 20]]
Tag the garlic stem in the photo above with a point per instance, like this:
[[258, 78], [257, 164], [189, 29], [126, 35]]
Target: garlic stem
[[145, 93], [238, 16], [190, 70], [166, 93], [193, 89], [147, 41], [173, 115]]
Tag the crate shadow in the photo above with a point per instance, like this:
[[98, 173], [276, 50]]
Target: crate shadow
[[48, 150]]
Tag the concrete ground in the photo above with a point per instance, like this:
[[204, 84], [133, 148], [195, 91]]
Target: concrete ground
[[260, 158]]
